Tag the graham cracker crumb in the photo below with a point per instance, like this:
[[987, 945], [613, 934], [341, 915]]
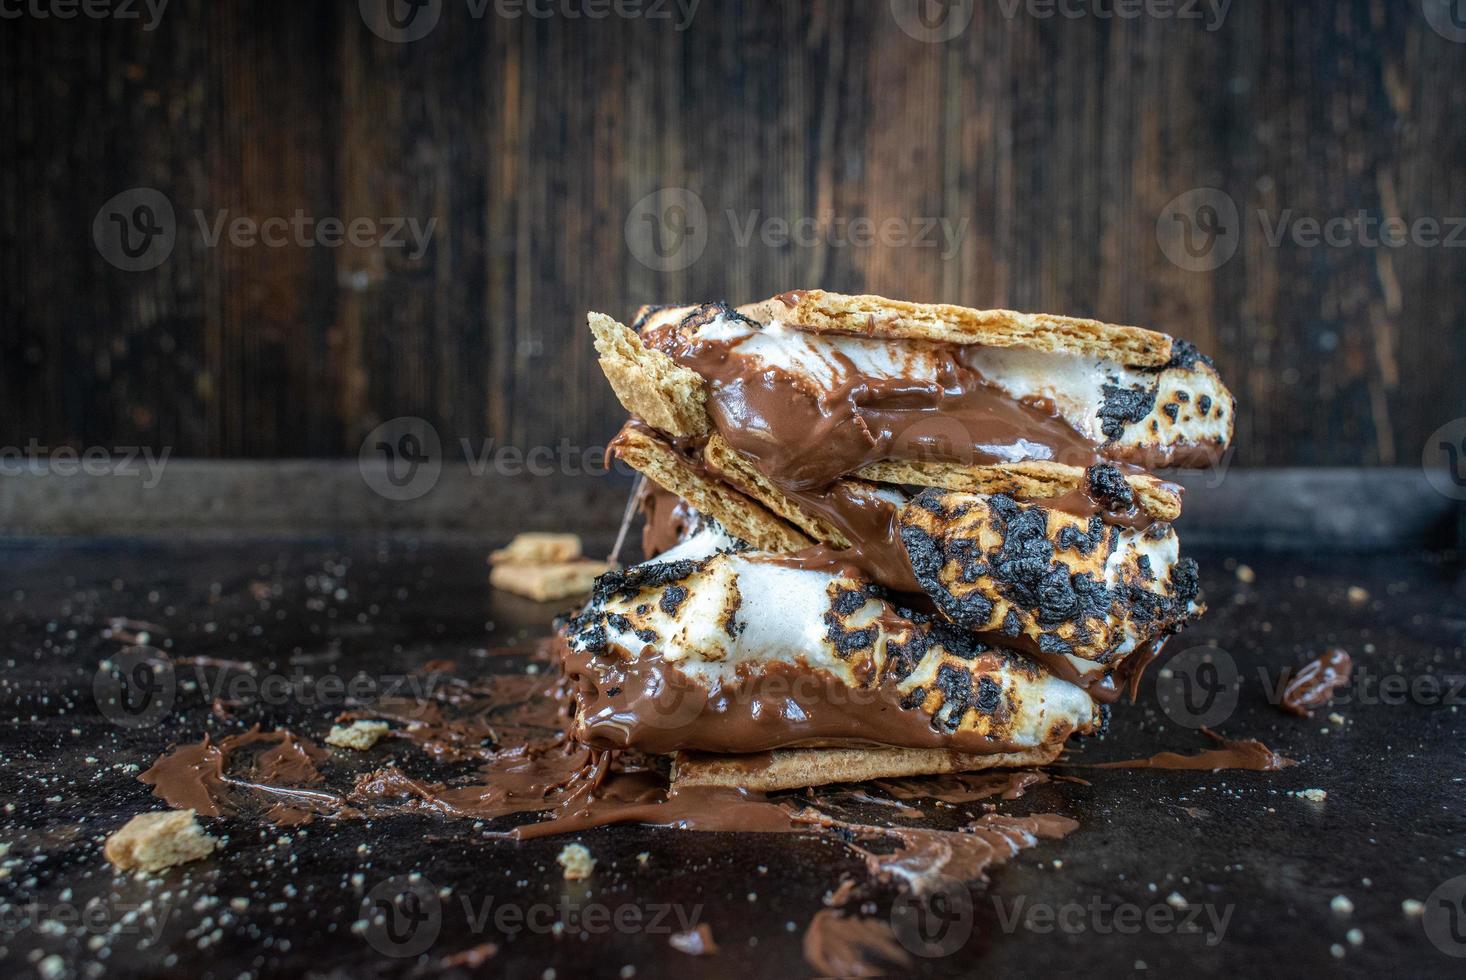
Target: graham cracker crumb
[[359, 735], [154, 841], [577, 862]]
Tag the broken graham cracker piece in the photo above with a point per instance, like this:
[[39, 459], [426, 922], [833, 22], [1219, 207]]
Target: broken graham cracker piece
[[549, 581], [153, 842], [537, 548], [1031, 480], [741, 517], [799, 768], [649, 384], [876, 316]]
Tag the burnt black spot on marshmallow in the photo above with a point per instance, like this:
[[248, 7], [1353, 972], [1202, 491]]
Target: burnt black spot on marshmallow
[[1203, 404], [1071, 538], [956, 688], [1172, 410], [708, 312], [647, 312], [1122, 406], [1182, 396], [626, 583], [989, 696], [672, 598], [847, 642], [1109, 487], [1184, 355], [848, 601]]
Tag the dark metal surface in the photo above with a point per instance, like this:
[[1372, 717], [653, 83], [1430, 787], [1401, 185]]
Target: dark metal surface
[[283, 902]]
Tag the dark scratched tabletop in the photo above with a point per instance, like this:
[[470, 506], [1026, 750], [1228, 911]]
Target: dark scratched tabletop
[[1217, 874]]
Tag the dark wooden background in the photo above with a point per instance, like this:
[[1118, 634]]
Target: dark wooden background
[[529, 140]]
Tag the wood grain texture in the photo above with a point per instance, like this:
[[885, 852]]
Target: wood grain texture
[[1053, 144]]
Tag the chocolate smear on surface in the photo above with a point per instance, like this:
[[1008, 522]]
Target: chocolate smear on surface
[[839, 945], [923, 856], [1312, 685], [277, 782], [964, 787], [1246, 753]]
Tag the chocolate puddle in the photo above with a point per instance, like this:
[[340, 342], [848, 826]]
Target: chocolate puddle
[[1246, 753]]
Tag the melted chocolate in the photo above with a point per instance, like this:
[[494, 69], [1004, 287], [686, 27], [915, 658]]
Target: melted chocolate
[[656, 707], [1314, 684], [804, 438], [1247, 753], [840, 945]]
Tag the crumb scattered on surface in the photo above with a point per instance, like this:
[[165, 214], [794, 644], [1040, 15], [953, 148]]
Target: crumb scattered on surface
[[1413, 907], [1313, 795], [1358, 596], [1355, 937], [359, 735], [1246, 574], [577, 862], [155, 841], [1176, 901], [1341, 905], [695, 942], [643, 858]]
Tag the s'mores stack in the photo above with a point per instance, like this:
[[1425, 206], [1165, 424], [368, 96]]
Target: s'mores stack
[[886, 538]]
